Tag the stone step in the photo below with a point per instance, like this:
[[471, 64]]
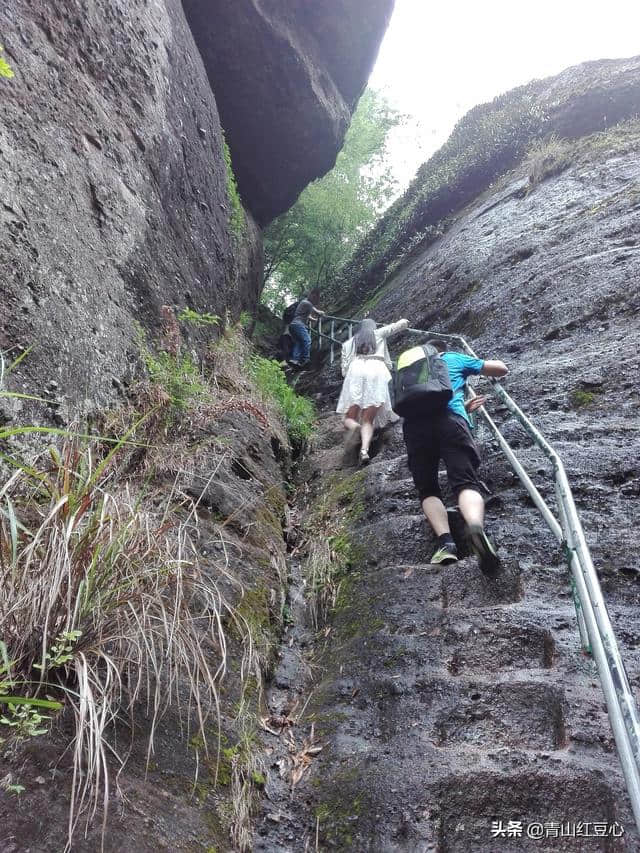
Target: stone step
[[520, 714], [470, 804], [480, 644], [464, 585]]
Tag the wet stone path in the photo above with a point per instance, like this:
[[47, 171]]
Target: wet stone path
[[455, 713]]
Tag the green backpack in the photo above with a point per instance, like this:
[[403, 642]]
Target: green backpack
[[420, 385]]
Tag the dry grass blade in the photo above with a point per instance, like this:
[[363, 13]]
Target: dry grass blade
[[105, 599], [302, 757], [323, 585]]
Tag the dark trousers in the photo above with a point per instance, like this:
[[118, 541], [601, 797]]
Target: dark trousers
[[443, 436], [301, 349]]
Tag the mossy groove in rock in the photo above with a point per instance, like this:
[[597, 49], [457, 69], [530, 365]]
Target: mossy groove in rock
[[328, 528]]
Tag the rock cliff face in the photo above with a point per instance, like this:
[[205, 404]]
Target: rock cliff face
[[115, 197], [287, 76], [113, 192], [486, 143]]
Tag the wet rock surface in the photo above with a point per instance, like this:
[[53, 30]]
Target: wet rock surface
[[445, 701], [287, 76], [490, 140]]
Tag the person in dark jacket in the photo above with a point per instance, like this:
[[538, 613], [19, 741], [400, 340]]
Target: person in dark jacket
[[306, 310]]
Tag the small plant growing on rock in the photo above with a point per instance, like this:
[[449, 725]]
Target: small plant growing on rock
[[297, 411], [237, 220], [175, 373], [178, 376], [195, 318], [582, 398], [5, 68], [548, 157]]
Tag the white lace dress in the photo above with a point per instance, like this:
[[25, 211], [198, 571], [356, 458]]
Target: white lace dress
[[366, 377]]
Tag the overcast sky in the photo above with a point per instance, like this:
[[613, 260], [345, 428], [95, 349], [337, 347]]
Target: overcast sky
[[439, 59]]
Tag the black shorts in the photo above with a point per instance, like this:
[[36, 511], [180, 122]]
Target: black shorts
[[447, 437]]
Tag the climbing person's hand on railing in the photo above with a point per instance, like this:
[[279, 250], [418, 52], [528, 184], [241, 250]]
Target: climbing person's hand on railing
[[473, 404]]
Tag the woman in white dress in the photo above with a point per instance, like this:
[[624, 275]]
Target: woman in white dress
[[364, 399]]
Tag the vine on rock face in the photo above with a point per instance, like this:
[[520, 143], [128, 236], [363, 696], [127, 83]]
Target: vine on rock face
[[237, 220]]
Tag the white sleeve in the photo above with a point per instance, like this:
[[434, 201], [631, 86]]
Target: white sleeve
[[392, 328]]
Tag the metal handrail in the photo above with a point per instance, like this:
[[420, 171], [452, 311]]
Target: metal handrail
[[596, 632]]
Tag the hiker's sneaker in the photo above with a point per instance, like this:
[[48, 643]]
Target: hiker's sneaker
[[447, 553], [292, 363], [485, 551], [364, 457]]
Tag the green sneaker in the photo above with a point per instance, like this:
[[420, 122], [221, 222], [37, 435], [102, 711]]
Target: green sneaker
[[448, 553], [485, 551]]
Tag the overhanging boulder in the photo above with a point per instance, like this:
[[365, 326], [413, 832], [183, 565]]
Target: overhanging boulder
[[286, 76]]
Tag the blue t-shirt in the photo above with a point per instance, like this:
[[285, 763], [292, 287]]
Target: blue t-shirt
[[460, 366]]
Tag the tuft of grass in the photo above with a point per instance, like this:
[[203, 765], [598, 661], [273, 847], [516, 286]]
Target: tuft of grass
[[104, 609], [582, 398], [548, 157], [298, 412], [248, 774], [330, 549]]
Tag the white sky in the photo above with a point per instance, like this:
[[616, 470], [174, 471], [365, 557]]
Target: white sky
[[439, 59]]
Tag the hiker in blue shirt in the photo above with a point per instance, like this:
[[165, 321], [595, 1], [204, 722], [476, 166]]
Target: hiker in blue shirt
[[447, 435]]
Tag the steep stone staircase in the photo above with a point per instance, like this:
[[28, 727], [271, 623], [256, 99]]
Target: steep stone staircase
[[457, 713]]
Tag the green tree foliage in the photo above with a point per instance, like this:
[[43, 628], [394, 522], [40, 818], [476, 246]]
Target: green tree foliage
[[307, 245]]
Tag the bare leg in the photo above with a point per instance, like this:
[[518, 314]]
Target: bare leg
[[436, 514], [471, 504], [366, 431], [351, 418]]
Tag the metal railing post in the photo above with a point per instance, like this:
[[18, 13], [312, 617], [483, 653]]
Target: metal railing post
[[332, 332]]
